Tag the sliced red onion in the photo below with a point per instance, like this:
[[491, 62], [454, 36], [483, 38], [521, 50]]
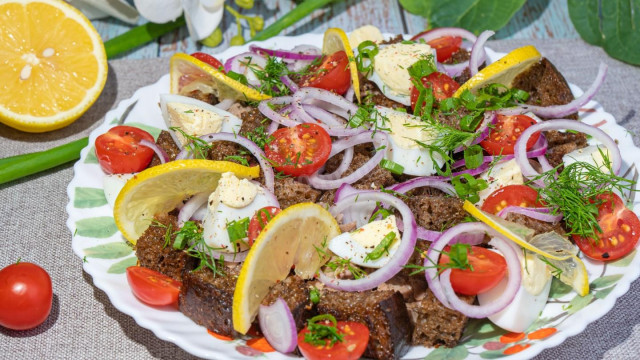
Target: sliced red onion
[[490, 118], [284, 54], [324, 95], [513, 284], [539, 150], [559, 111], [162, 155], [347, 158], [266, 110], [381, 142], [324, 116], [343, 191], [272, 127], [454, 70], [397, 261], [238, 64], [229, 257], [563, 124], [191, 206], [200, 213], [544, 163], [278, 326], [534, 213], [446, 31], [225, 104], [267, 170], [350, 94], [425, 181], [478, 52], [293, 87]]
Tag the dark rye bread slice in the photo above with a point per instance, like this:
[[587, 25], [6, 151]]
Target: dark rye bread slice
[[289, 192], [152, 252], [166, 143], [206, 298], [545, 84], [436, 212], [295, 292], [384, 313]]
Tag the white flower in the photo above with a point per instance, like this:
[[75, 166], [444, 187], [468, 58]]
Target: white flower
[[95, 9], [202, 16]]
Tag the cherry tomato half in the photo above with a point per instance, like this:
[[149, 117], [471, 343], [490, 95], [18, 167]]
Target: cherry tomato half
[[356, 337], [299, 150], [204, 57], [511, 195], [260, 220], [506, 132], [26, 296], [620, 230], [442, 85], [332, 74], [152, 287], [488, 269], [119, 150]]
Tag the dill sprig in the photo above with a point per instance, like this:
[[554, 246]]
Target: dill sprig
[[574, 193], [269, 76], [198, 147], [260, 136], [458, 259], [339, 265]]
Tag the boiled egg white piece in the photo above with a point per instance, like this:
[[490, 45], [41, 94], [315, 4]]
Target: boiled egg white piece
[[390, 69], [233, 200], [530, 299], [500, 175], [357, 244], [113, 184], [592, 154], [404, 129], [195, 117]]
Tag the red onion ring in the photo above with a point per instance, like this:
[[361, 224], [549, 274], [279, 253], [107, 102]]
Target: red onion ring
[[324, 116], [559, 111], [350, 94], [513, 284], [378, 138], [478, 52], [267, 170], [284, 54], [238, 64], [541, 214], [278, 326], [324, 95], [446, 31], [162, 155], [425, 181], [225, 104], [273, 115], [563, 124], [396, 262], [293, 87], [191, 206], [347, 158], [455, 69]]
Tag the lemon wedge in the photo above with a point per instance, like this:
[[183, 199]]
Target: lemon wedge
[[291, 238], [559, 253], [53, 65], [188, 74], [503, 71], [336, 39], [161, 188]]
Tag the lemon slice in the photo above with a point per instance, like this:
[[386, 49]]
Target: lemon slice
[[557, 250], [291, 238], [161, 188], [189, 74], [336, 39], [503, 71], [53, 64]]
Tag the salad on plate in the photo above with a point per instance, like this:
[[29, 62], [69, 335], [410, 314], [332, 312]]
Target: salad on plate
[[370, 198]]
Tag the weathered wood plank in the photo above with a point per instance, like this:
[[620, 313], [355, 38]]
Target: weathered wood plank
[[110, 27], [538, 19]]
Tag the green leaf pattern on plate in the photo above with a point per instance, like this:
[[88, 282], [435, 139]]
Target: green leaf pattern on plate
[[86, 197], [97, 227], [113, 250], [121, 266], [605, 281], [154, 131], [91, 156], [442, 353]]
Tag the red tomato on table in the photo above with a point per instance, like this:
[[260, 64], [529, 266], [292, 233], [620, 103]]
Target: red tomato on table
[[26, 296], [511, 195], [356, 337], [332, 74], [119, 150], [299, 150], [206, 58], [488, 269], [260, 220], [442, 86], [445, 46], [152, 287], [507, 130], [620, 230]]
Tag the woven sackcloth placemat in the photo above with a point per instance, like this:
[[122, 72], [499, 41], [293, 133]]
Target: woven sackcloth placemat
[[84, 324]]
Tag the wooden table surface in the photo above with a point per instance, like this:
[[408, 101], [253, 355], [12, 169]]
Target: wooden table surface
[[538, 19]]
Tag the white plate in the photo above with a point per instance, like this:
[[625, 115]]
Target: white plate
[[96, 239]]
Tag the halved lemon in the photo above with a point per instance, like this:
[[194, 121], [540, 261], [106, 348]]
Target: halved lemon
[[296, 236], [336, 39], [189, 74], [503, 71], [161, 188], [559, 253], [53, 65]]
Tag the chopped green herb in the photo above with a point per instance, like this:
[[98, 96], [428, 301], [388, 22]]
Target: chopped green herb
[[322, 330], [473, 157], [381, 248], [339, 265], [394, 167], [458, 255], [237, 158], [467, 187], [196, 146], [314, 295], [237, 230]]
